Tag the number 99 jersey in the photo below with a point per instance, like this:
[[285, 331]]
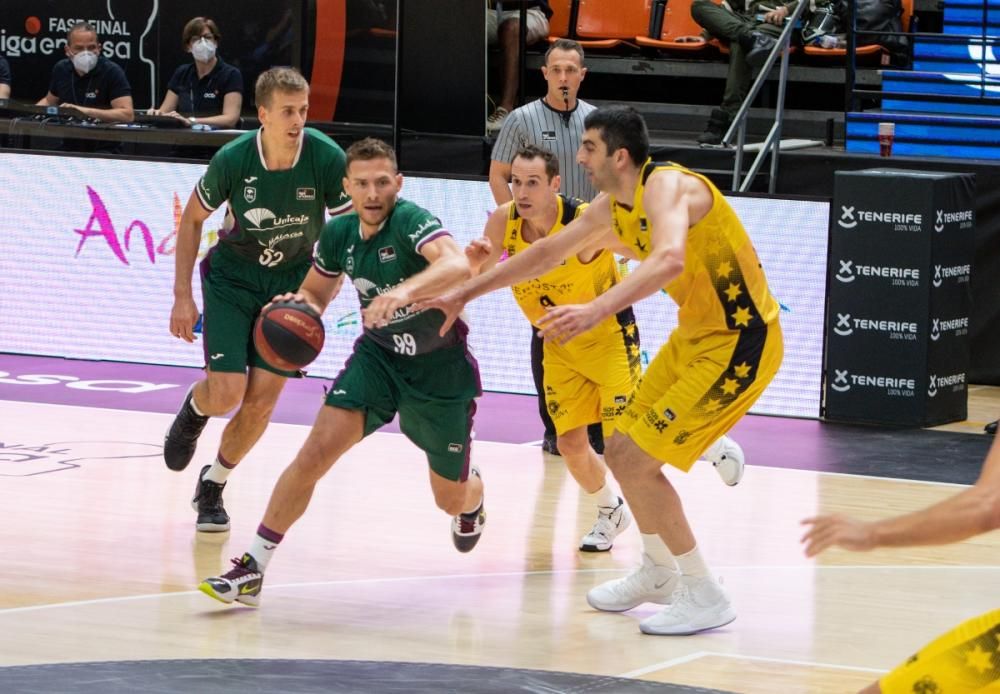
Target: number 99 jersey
[[383, 261]]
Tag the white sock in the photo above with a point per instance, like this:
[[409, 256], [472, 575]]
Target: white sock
[[262, 550], [692, 564], [604, 497], [194, 405], [217, 472], [656, 550]]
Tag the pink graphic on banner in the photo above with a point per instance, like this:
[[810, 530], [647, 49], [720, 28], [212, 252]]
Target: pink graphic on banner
[[100, 224]]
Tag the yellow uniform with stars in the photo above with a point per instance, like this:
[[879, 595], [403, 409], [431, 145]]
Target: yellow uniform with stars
[[591, 378], [727, 345], [966, 659]]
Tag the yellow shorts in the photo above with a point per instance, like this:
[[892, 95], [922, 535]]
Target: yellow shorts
[[694, 391], [590, 382], [961, 660]]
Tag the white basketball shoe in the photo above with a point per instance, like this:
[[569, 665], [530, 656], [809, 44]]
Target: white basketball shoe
[[727, 457], [648, 583], [698, 604]]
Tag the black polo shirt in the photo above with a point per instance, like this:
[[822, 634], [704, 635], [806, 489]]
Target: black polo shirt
[[97, 89], [204, 97], [4, 71]]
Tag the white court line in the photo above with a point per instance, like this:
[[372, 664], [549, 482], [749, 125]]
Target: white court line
[[499, 574], [737, 656]]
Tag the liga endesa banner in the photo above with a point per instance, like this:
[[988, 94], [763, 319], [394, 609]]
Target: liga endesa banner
[[86, 272]]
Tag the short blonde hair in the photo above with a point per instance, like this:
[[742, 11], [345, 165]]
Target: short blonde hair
[[285, 79]]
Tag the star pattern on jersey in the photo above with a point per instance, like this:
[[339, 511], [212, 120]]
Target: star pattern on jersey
[[733, 292], [742, 317], [725, 269], [978, 659], [742, 370]]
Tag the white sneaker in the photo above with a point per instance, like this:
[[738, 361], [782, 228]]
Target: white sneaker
[[648, 583], [699, 604], [611, 522], [495, 120], [727, 457]]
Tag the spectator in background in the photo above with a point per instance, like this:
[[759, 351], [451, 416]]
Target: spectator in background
[[555, 123], [503, 26], [208, 90], [751, 30], [5, 81], [88, 82]]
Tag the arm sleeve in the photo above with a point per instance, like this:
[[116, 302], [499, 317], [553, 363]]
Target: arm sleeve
[[510, 139], [337, 200], [426, 227], [215, 185], [325, 258], [233, 82], [176, 83], [118, 85]]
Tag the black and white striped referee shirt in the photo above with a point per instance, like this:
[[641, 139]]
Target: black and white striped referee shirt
[[539, 124]]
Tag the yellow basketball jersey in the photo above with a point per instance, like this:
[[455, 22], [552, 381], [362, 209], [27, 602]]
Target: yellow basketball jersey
[[572, 282], [722, 287]]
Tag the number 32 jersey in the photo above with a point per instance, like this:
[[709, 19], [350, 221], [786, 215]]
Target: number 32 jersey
[[383, 261], [274, 217]]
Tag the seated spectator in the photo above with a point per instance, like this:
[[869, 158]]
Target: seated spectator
[[208, 90], [4, 78], [87, 82], [503, 26], [752, 32]]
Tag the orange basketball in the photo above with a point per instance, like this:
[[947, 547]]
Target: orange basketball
[[288, 335]]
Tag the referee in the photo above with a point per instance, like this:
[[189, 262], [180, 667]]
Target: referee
[[555, 123]]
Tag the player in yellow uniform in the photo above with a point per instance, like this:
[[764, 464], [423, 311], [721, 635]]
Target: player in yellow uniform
[[967, 658], [725, 350], [588, 380]]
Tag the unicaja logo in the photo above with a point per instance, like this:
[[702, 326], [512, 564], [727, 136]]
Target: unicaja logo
[[846, 272], [841, 383], [843, 326], [847, 219]]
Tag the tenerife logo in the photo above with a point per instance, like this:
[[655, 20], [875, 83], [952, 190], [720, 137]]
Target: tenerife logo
[[901, 221], [961, 274], [935, 382], [847, 219], [898, 330], [964, 219], [960, 326], [843, 381], [900, 276]]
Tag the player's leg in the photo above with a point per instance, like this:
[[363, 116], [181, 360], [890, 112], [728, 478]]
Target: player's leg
[[333, 433], [241, 433], [574, 401], [436, 412], [549, 444], [359, 402]]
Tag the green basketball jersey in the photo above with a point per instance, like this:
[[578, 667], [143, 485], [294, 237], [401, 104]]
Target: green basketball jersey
[[377, 265], [274, 217]]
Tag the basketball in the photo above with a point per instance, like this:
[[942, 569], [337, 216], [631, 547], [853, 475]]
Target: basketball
[[288, 335]]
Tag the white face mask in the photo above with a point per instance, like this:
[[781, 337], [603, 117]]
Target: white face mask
[[84, 62], [203, 50]]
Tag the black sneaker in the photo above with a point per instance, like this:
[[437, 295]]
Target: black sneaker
[[716, 128], [549, 445], [207, 501], [760, 49], [182, 436], [991, 428], [241, 584], [466, 528]]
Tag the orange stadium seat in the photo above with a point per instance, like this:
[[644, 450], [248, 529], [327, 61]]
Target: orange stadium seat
[[562, 10], [606, 24], [863, 52], [680, 32]]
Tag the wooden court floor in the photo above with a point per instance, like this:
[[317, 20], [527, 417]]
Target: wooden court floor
[[100, 562]]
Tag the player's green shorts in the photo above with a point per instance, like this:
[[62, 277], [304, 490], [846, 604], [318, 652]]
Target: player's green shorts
[[234, 290], [433, 393]]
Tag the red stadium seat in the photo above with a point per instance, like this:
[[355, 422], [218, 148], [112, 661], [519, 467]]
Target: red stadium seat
[[680, 32], [608, 23]]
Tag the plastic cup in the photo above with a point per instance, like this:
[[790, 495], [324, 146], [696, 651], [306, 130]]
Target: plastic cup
[[886, 134]]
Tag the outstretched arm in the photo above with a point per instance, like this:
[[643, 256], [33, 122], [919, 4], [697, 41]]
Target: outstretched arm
[[667, 200], [973, 511]]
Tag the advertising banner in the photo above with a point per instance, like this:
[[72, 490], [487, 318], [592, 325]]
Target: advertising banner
[[87, 266]]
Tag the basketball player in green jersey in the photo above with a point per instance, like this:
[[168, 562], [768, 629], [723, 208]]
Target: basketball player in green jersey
[[277, 182], [395, 253], [967, 658]]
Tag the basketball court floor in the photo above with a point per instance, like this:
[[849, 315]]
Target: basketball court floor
[[100, 558]]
